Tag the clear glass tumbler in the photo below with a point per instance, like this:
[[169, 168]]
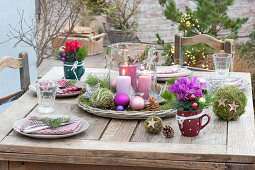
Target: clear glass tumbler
[[222, 63], [46, 94], [213, 82]]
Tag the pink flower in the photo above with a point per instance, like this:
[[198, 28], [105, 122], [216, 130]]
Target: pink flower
[[72, 46]]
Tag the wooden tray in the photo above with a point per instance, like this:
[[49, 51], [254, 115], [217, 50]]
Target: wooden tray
[[126, 114]]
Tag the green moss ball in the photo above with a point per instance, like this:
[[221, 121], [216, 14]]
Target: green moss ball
[[153, 120], [225, 97], [102, 97]]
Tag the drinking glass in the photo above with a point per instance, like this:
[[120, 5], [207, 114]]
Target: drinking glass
[[222, 63], [213, 82], [46, 94]]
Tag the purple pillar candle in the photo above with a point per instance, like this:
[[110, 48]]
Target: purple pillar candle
[[123, 84], [129, 70], [144, 83]]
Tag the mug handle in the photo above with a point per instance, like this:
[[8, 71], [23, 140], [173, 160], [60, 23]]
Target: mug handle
[[209, 118]]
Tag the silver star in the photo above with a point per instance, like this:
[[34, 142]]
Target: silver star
[[156, 95], [233, 106], [90, 91], [132, 93], [221, 102], [151, 123]]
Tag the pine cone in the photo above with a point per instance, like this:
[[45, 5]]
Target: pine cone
[[110, 106], [168, 131], [152, 106]]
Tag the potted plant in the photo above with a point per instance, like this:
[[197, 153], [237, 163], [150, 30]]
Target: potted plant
[[121, 17], [190, 104], [72, 54]]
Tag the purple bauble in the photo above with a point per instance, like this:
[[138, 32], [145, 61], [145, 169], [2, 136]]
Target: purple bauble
[[137, 103], [59, 56], [121, 99], [120, 108], [64, 54], [63, 59]]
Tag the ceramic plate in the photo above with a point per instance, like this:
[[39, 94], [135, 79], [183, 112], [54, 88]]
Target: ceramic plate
[[18, 124], [32, 87]]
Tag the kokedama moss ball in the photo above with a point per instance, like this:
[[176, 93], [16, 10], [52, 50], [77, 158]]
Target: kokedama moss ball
[[153, 124], [102, 97], [230, 103]]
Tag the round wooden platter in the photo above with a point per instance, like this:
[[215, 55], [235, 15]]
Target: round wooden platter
[[126, 114]]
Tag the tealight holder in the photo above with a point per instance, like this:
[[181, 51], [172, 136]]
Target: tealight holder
[[134, 64]]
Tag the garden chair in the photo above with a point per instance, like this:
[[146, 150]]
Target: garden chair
[[22, 64], [217, 45]]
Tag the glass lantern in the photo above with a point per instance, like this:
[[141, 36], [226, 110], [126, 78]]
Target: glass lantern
[[132, 65]]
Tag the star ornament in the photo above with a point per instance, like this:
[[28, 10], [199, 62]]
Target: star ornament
[[90, 91], [156, 95], [151, 123], [221, 102], [233, 107]]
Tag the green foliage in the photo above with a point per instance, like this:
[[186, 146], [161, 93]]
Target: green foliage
[[82, 53], [96, 7], [52, 123], [210, 18], [102, 97], [93, 80], [230, 94], [168, 50], [171, 80], [85, 101]]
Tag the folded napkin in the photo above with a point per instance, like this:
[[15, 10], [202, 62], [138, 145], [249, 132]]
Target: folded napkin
[[72, 89], [168, 69], [180, 73], [237, 83], [66, 129]]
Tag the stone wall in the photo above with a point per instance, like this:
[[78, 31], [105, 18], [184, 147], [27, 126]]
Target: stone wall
[[152, 19]]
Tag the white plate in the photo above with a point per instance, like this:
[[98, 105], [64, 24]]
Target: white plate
[[32, 87], [18, 124]]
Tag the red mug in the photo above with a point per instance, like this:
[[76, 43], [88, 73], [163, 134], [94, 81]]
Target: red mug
[[190, 123]]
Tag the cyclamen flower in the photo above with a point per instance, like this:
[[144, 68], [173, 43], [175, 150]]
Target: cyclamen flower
[[184, 87], [72, 46]]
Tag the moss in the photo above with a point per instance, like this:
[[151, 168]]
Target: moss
[[102, 97], [230, 94], [157, 126], [85, 101]]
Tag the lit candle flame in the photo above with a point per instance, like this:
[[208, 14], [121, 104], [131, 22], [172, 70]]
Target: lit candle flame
[[123, 72]]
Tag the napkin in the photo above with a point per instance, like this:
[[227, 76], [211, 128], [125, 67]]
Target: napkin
[[168, 69], [236, 83], [66, 129], [179, 73], [72, 89]]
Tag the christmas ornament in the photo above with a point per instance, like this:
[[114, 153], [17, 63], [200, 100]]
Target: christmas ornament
[[201, 100], [192, 97], [141, 67], [137, 103], [194, 105], [110, 106], [102, 97], [153, 124], [121, 99], [168, 131], [152, 106], [155, 95], [230, 103], [120, 108], [90, 91]]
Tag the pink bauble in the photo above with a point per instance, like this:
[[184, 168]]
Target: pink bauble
[[113, 84], [121, 99], [137, 103]]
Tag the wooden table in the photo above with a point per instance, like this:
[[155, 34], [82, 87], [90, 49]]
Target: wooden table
[[123, 144]]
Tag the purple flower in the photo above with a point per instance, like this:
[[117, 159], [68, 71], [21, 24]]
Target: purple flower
[[63, 59], [184, 87], [64, 54]]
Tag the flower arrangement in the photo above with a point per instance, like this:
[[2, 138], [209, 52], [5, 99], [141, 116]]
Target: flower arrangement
[[190, 95], [71, 52]]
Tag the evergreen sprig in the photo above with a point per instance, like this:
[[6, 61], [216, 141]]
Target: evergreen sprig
[[93, 80], [52, 123]]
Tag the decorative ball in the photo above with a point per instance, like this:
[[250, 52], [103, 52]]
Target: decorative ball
[[64, 54], [121, 99], [61, 49], [113, 84], [102, 97], [59, 56], [192, 97], [63, 59], [230, 103], [194, 105], [137, 103], [201, 100], [120, 108], [153, 124]]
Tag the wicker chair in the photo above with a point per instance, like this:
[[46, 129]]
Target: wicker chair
[[22, 64], [217, 45]]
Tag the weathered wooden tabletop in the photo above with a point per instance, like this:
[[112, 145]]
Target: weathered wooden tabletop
[[111, 142]]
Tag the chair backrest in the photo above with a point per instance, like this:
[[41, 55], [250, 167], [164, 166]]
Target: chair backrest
[[22, 64], [217, 45]]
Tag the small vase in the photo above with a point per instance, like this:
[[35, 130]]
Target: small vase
[[190, 123], [74, 70]]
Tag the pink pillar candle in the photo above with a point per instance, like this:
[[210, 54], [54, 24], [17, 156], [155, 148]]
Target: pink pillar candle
[[144, 83], [123, 84], [129, 70]]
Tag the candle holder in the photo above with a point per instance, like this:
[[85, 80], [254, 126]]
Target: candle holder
[[137, 60]]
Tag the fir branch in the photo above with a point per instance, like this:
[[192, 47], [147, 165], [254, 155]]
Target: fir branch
[[52, 123], [93, 80]]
